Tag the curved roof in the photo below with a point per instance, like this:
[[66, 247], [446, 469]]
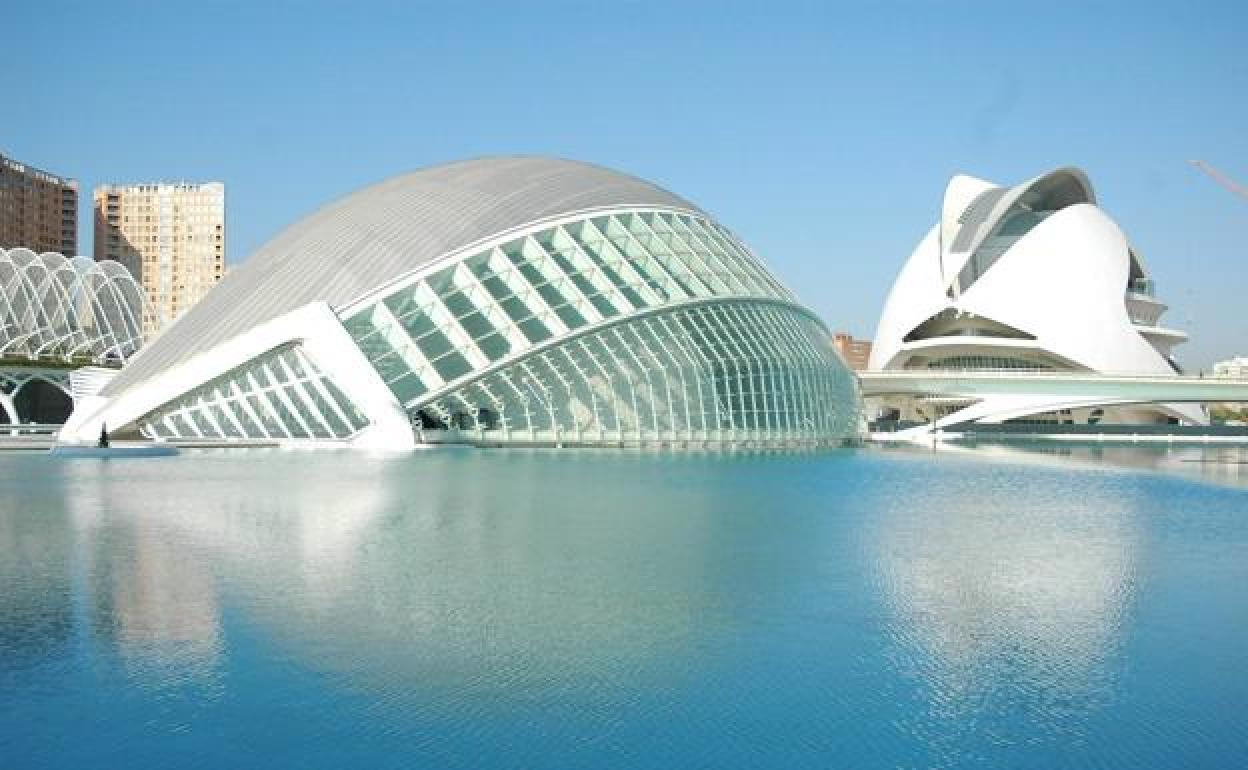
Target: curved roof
[[369, 237]]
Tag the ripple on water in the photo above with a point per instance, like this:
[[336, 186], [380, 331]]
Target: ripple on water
[[574, 609]]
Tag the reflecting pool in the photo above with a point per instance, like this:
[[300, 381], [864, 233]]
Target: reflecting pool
[[460, 608]]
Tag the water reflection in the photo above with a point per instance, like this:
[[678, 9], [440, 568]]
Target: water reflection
[[149, 597], [1218, 463], [36, 612], [545, 608], [998, 591], [394, 572]]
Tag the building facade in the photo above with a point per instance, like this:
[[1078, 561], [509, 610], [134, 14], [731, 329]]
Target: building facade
[[1232, 367], [857, 353], [38, 210], [1026, 278], [500, 301], [171, 237]]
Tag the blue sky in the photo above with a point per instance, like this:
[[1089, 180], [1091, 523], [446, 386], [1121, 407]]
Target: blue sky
[[823, 134]]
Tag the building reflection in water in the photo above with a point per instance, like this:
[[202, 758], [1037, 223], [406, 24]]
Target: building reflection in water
[[392, 572], [149, 595], [36, 582], [988, 607]]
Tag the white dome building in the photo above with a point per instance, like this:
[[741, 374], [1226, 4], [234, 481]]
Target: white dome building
[[1030, 277], [497, 301]]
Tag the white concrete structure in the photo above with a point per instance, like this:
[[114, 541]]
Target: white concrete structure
[[59, 313], [496, 301], [1232, 367], [68, 309], [1030, 277]]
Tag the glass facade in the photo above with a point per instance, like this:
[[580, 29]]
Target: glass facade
[[736, 372], [623, 328], [279, 396], [986, 362], [633, 326]]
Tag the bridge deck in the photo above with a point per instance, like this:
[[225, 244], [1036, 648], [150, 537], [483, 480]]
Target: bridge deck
[[1127, 387]]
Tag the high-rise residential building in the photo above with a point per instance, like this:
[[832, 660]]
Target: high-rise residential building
[[170, 236], [38, 210], [855, 352]]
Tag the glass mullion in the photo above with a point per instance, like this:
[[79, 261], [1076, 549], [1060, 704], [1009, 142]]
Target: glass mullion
[[682, 247], [490, 308], [202, 406], [750, 325], [734, 382], [647, 263], [616, 266], [527, 292], [767, 333], [587, 345], [405, 348], [712, 256], [607, 285], [629, 380], [694, 325], [751, 263], [731, 259], [662, 353], [645, 373], [745, 377], [677, 337], [567, 280], [461, 341], [674, 264]]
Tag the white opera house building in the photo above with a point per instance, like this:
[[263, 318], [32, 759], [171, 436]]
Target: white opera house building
[[499, 301], [1030, 277]]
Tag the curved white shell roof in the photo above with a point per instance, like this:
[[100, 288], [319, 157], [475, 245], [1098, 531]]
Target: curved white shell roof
[[372, 236], [1036, 270]]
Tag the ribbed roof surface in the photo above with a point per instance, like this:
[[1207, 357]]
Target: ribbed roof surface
[[369, 237]]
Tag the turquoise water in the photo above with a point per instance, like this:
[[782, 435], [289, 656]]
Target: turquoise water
[[573, 609]]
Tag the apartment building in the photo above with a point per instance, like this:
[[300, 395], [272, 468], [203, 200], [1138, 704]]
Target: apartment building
[[170, 236], [38, 210], [855, 352]]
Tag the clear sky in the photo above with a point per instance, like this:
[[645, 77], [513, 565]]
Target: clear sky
[[823, 134]]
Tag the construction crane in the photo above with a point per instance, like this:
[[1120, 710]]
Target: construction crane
[[1220, 178]]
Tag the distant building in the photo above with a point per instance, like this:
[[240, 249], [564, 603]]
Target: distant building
[[1029, 277], [855, 352], [1234, 367], [38, 210], [170, 236]]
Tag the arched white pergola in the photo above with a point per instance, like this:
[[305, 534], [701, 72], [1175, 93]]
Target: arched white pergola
[[69, 309]]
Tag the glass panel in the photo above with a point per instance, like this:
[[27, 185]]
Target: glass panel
[[451, 366]]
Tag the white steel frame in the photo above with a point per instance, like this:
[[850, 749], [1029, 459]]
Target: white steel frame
[[65, 309]]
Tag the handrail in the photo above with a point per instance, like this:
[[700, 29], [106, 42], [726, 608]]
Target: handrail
[[949, 374]]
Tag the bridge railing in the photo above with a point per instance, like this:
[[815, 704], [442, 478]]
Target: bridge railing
[[1044, 374]]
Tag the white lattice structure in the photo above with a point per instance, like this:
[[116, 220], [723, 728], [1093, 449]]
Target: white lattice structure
[[61, 309], [496, 301]]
